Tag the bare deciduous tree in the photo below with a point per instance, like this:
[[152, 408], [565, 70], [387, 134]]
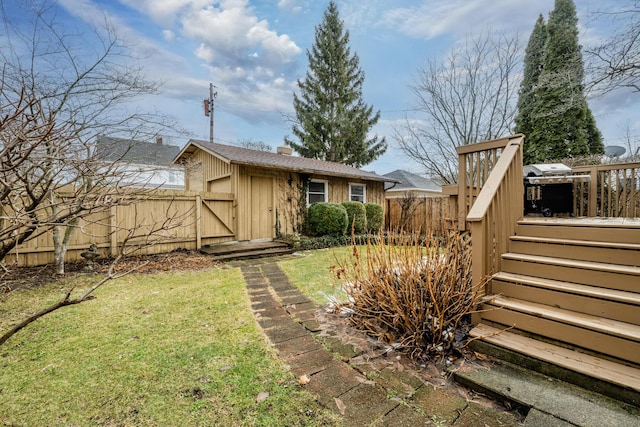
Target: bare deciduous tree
[[615, 63], [61, 88], [469, 97], [409, 203], [254, 145]]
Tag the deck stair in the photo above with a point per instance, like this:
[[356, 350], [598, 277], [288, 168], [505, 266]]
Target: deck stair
[[246, 249], [568, 303]]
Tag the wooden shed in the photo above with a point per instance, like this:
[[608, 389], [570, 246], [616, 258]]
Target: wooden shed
[[269, 191]]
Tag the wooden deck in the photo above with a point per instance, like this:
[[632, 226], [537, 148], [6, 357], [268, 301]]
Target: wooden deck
[[570, 285], [568, 293], [246, 249]]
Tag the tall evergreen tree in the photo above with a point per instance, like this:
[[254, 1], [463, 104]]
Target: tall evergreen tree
[[533, 57], [563, 125], [332, 120]]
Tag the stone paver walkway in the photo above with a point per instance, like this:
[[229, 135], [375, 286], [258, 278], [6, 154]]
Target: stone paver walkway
[[383, 398]]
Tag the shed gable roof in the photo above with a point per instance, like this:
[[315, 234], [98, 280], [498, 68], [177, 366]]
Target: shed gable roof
[[245, 156]]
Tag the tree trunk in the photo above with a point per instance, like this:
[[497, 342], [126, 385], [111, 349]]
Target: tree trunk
[[60, 251]]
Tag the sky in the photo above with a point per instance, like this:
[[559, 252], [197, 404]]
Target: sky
[[255, 51]]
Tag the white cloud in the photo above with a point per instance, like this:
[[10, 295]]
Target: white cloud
[[242, 55], [290, 5], [164, 11], [168, 35], [432, 18], [232, 32]]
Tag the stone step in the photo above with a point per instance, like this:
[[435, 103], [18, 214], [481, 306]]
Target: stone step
[[547, 401]]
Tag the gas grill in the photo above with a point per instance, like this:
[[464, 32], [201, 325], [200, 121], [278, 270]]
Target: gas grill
[[549, 189]]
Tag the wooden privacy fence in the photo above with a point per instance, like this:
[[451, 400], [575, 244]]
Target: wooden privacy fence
[[419, 214], [202, 218]]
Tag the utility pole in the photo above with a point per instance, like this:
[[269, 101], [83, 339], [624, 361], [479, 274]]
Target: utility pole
[[208, 109]]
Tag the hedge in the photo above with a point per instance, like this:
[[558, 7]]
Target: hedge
[[357, 216], [327, 219], [375, 217]]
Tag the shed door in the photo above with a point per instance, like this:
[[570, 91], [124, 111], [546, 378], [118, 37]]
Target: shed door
[[262, 215]]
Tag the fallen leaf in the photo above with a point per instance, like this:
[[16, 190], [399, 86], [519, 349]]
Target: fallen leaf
[[363, 380], [341, 406], [304, 379], [262, 396]]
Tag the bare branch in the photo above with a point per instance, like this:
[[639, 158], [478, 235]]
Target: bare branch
[[469, 97], [615, 63]]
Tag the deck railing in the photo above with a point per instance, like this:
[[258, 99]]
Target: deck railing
[[496, 210], [475, 164], [612, 191]]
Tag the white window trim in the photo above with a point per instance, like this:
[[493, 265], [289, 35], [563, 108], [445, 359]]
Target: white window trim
[[326, 189], [364, 191]]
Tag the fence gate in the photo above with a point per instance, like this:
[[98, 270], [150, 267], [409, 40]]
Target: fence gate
[[217, 218]]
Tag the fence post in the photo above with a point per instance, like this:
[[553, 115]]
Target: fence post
[[198, 210]]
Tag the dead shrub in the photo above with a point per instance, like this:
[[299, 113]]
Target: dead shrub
[[412, 293]]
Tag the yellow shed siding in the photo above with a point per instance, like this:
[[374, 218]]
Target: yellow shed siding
[[209, 173]]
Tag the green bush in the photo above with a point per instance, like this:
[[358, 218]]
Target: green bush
[[375, 217], [357, 216], [327, 219]]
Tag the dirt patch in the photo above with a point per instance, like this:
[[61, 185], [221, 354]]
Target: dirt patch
[[22, 277], [393, 369]]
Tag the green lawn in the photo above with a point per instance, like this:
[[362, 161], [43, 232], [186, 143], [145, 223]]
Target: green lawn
[[311, 273], [151, 350]]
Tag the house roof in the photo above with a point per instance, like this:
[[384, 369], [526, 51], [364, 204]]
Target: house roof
[[410, 181], [135, 152], [245, 156]]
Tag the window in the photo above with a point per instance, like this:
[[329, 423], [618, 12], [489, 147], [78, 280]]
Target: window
[[357, 193], [317, 192]]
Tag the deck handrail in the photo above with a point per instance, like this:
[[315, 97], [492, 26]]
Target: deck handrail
[[496, 210], [475, 164]]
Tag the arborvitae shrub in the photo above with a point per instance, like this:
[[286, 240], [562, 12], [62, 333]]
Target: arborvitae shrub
[[327, 219], [357, 216], [375, 217]]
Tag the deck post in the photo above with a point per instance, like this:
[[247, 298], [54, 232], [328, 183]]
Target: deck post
[[478, 262], [593, 192], [463, 191]]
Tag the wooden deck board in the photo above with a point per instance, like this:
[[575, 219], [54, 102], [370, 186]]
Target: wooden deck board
[[584, 221], [576, 288], [605, 370], [612, 327], [573, 242], [585, 265]]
